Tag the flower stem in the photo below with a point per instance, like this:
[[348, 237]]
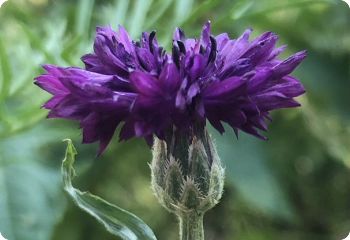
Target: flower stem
[[191, 226]]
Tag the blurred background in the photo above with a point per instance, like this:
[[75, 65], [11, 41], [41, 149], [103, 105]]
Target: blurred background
[[294, 186]]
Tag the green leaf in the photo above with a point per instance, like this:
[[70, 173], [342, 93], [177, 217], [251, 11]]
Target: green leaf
[[38, 44], [116, 220], [120, 12], [201, 8], [83, 16], [261, 8], [162, 7], [139, 13], [182, 9], [5, 69]]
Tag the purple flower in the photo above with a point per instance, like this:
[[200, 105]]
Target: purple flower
[[137, 84], [116, 54], [236, 81], [103, 95]]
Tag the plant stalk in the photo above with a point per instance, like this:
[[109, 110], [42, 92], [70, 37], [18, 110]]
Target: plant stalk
[[191, 226]]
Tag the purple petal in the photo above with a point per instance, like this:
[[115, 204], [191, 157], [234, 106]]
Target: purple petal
[[258, 81], [289, 87], [277, 51], [222, 40], [69, 108], [170, 78], [50, 81], [178, 35], [261, 48], [288, 65], [205, 37], [145, 84], [124, 38], [233, 50], [54, 101], [197, 67], [228, 88], [146, 59], [192, 92], [274, 100]]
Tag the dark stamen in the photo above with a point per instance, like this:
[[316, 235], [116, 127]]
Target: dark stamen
[[151, 38], [212, 55], [182, 47], [176, 56]]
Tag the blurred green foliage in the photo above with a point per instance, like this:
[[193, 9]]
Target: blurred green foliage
[[294, 186]]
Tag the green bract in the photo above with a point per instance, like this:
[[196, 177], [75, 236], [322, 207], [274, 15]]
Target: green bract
[[187, 179]]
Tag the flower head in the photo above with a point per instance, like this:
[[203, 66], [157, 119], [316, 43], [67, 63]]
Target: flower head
[[116, 54], [101, 96], [236, 81], [212, 78]]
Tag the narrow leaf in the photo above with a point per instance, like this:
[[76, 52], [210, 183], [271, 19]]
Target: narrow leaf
[[38, 44], [139, 13], [162, 7], [182, 9], [83, 16], [116, 220], [6, 73], [121, 12]]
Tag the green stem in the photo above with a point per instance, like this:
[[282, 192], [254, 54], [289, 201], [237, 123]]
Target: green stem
[[191, 226]]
